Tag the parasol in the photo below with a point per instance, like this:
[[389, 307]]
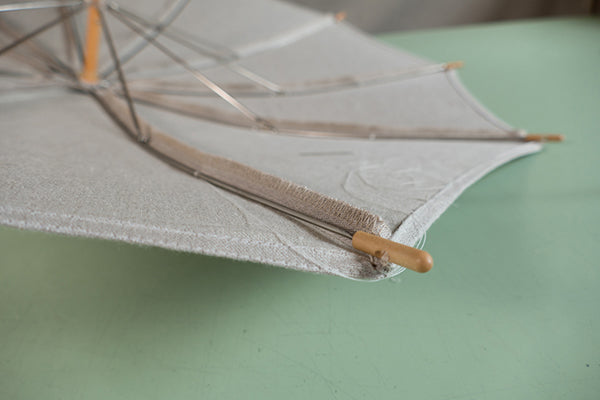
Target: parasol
[[316, 148]]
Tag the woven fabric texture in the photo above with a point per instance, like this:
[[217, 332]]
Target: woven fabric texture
[[66, 167]]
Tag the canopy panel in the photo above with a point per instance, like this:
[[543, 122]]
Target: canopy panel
[[340, 114]]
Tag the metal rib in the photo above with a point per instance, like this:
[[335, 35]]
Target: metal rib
[[228, 61], [68, 40], [225, 185], [135, 47], [40, 67], [36, 5], [72, 36], [225, 60], [198, 75], [212, 50], [52, 63], [41, 29], [325, 129], [273, 42], [115, 58], [301, 89]]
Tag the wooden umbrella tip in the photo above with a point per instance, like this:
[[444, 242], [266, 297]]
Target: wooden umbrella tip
[[425, 262], [538, 137], [339, 17], [454, 65], [406, 256]]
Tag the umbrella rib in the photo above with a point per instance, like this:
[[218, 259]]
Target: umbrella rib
[[273, 42], [36, 5], [72, 38], [39, 66], [343, 130], [293, 200], [175, 158], [15, 74], [226, 60], [311, 87], [214, 50], [51, 62], [315, 87], [68, 40], [40, 30], [115, 58], [135, 48], [325, 129], [197, 74]]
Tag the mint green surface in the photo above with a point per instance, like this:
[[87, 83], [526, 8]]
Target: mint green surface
[[511, 309]]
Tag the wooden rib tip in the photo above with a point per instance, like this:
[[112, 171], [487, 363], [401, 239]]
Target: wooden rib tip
[[405, 256], [454, 65], [538, 137], [339, 17]]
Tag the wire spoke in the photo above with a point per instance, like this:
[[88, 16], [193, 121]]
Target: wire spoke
[[50, 61], [230, 58], [212, 50], [130, 52], [198, 75], [72, 38], [36, 5], [40, 30], [300, 89], [115, 57], [205, 49]]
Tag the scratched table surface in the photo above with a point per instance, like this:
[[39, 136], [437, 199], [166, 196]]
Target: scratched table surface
[[511, 309]]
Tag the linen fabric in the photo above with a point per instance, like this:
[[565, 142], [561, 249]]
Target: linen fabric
[[66, 167]]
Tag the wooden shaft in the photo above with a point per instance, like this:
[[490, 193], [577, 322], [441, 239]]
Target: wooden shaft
[[406, 256], [92, 44]]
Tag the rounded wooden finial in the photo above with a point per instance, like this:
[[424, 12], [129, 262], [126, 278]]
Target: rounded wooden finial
[[406, 256]]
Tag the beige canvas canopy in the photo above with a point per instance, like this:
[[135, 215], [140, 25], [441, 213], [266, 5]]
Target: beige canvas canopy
[[289, 137]]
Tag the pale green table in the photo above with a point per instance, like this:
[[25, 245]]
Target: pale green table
[[510, 311]]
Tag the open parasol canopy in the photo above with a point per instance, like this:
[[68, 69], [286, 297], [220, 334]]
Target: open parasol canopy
[[266, 132]]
